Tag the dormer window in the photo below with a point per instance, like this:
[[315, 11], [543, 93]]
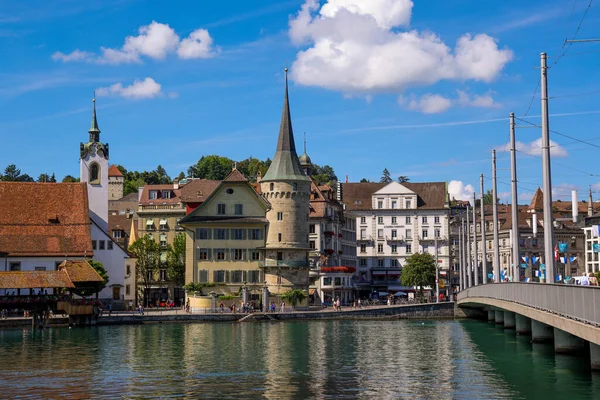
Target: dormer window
[[153, 194], [166, 194]]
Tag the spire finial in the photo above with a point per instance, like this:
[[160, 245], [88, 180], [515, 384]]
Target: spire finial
[[94, 130], [304, 142]]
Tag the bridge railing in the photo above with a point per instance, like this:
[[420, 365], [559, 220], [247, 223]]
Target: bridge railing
[[581, 303]]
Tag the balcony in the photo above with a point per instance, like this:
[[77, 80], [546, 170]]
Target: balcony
[[364, 239], [394, 239], [432, 239], [283, 264]]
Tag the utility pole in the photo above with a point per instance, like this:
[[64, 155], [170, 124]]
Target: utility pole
[[464, 253], [475, 263], [460, 262], [469, 275], [437, 271], [515, 205], [496, 261], [483, 248], [546, 175]]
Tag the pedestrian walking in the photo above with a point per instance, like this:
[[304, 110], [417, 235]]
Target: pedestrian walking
[[109, 309]]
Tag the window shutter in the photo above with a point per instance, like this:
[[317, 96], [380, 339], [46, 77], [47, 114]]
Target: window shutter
[[244, 276], [227, 277], [209, 233], [244, 234], [209, 254], [215, 276], [226, 234]]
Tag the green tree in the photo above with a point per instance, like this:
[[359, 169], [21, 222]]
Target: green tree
[[132, 186], [13, 174], [419, 271], [294, 297], [70, 179], [181, 176], [97, 288], [47, 178], [211, 167], [176, 260], [385, 178], [364, 180], [324, 174], [403, 179], [147, 252], [251, 166]]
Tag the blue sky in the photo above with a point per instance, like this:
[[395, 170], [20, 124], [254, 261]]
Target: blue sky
[[421, 89]]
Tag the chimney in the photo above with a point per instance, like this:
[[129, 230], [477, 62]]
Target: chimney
[[140, 190], [590, 205], [258, 176], [128, 213], [175, 183], [574, 206]]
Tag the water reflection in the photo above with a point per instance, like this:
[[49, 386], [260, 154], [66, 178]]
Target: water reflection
[[317, 359]]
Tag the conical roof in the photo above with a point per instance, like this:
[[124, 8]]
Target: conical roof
[[285, 165], [537, 202]]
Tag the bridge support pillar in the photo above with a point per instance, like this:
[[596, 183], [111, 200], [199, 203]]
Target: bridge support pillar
[[509, 320], [491, 315], [566, 343], [595, 356], [523, 325], [499, 317], [541, 332]]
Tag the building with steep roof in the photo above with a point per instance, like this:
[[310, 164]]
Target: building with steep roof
[[394, 221], [226, 236], [40, 240], [287, 188]]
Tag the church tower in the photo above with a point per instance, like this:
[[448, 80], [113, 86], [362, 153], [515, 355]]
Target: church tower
[[287, 188], [93, 169]]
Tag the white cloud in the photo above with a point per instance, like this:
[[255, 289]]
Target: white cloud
[[197, 45], [76, 55], [155, 41], [535, 148], [146, 89], [427, 104], [356, 46], [459, 191], [435, 103]]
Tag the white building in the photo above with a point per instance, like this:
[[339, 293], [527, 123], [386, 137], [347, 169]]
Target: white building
[[394, 221], [94, 171]]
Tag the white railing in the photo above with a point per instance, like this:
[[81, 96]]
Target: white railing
[[581, 303]]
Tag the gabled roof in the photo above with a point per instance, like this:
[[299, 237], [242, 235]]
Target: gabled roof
[[80, 271], [537, 202], [114, 171], [235, 176], [198, 190], [42, 220], [194, 215], [395, 188], [285, 165]]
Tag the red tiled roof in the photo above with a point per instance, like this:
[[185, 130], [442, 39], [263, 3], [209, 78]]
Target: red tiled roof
[[34, 280], [198, 190], [537, 202], [114, 171], [430, 195], [235, 176], [39, 219], [80, 271], [175, 195]]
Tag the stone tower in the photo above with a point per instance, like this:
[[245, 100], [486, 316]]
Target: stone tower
[[287, 188], [116, 183], [93, 169]]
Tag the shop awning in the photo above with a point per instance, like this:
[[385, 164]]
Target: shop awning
[[163, 221], [150, 222], [379, 273]]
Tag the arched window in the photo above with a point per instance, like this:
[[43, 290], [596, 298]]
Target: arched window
[[94, 173]]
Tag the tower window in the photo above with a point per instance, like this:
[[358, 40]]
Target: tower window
[[295, 186], [279, 216], [272, 186], [279, 237], [95, 173]]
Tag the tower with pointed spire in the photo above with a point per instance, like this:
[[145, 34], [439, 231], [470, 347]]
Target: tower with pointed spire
[[287, 188], [93, 169]]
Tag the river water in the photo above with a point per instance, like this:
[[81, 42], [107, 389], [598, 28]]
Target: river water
[[314, 359]]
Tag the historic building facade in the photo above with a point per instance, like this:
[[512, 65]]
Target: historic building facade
[[394, 221], [226, 236], [287, 188]]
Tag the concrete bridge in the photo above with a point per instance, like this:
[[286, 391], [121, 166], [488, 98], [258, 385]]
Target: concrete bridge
[[567, 315]]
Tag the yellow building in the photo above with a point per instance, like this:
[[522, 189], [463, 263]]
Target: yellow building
[[226, 237]]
